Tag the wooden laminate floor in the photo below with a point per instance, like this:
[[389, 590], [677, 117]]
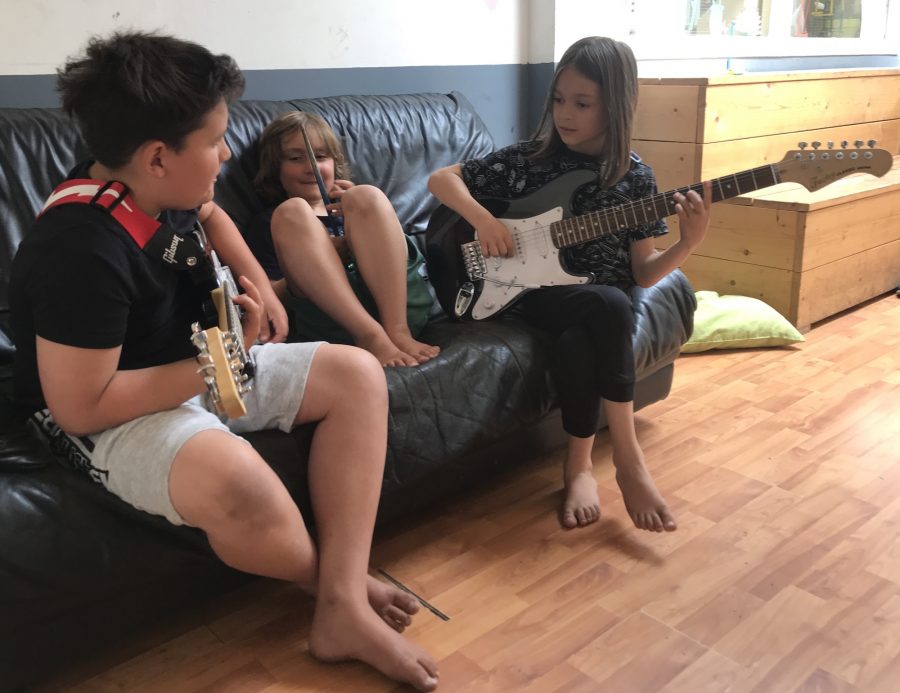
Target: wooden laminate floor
[[783, 466]]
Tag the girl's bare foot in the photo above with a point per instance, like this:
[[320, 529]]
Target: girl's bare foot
[[643, 501], [582, 504], [387, 353], [395, 606], [343, 630], [420, 351]]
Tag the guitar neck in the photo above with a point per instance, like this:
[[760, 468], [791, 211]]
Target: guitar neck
[[587, 227]]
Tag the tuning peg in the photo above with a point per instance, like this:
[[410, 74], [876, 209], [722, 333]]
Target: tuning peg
[[858, 143], [872, 143], [816, 144], [844, 144], [830, 144], [802, 145]]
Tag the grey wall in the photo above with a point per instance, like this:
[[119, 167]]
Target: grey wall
[[509, 98]]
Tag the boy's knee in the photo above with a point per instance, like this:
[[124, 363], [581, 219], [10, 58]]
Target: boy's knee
[[361, 198], [359, 373], [291, 215], [234, 488], [368, 373]]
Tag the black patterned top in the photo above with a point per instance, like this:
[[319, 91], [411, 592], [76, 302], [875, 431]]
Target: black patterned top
[[509, 173]]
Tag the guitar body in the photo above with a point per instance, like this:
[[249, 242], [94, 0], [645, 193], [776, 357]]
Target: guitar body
[[534, 263]]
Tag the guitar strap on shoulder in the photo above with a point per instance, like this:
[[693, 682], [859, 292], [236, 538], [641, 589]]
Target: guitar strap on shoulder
[[184, 252]]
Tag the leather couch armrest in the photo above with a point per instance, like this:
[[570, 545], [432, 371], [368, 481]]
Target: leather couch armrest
[[664, 321]]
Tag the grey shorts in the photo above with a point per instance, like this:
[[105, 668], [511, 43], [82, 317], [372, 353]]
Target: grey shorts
[[133, 460]]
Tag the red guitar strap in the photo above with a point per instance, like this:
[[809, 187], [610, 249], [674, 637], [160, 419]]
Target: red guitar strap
[[111, 196]]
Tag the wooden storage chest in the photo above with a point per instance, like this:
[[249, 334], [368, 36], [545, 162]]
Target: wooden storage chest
[[809, 255]]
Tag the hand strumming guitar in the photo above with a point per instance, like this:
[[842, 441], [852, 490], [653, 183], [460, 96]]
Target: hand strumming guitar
[[495, 238]]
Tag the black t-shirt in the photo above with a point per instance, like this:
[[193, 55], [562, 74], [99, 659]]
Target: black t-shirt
[[79, 279], [511, 173], [259, 240]]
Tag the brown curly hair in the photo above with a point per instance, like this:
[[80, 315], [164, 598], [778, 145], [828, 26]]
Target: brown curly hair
[[268, 178]]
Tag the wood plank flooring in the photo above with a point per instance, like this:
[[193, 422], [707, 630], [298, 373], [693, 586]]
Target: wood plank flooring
[[783, 466]]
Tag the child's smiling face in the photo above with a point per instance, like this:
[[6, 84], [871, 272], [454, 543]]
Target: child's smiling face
[[297, 175]]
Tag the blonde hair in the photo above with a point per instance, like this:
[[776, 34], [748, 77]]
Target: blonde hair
[[611, 65], [268, 178]]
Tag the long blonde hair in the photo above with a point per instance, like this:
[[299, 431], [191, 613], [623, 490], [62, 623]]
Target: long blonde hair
[[612, 66], [268, 178]]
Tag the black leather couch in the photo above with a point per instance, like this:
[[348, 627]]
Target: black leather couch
[[79, 569]]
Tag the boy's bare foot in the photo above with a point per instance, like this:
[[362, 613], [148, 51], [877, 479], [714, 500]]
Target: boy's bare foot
[[582, 504], [343, 630], [395, 606], [387, 353], [643, 501], [420, 351]]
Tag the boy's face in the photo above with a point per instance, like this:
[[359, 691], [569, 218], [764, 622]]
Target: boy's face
[[298, 177], [193, 170]]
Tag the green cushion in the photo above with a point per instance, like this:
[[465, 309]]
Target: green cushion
[[734, 322]]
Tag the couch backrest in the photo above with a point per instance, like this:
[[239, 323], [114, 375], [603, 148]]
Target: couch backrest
[[392, 142]]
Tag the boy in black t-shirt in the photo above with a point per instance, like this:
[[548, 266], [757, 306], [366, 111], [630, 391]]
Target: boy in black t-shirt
[[103, 330]]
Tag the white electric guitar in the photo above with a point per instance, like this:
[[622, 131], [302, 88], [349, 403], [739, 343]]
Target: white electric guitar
[[470, 286]]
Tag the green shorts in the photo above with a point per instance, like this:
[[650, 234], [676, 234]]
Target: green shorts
[[309, 323]]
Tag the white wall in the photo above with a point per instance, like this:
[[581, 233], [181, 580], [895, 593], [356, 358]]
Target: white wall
[[36, 36]]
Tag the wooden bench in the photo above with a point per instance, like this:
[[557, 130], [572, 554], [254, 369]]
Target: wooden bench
[[808, 255]]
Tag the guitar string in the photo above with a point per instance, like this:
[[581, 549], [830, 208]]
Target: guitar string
[[604, 218]]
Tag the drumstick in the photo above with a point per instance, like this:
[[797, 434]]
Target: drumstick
[[335, 227]]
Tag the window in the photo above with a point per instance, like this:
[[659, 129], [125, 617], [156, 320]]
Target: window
[[710, 29], [806, 18]]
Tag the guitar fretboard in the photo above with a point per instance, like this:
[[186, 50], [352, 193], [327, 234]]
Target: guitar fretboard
[[587, 227]]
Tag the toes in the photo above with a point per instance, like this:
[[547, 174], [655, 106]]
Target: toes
[[396, 618], [568, 518], [431, 670], [668, 521], [407, 603]]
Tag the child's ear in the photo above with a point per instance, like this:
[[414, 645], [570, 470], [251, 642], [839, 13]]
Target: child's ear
[[151, 157]]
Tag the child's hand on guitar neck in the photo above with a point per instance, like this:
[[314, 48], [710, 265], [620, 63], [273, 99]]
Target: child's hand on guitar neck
[[693, 215], [495, 238], [252, 306]]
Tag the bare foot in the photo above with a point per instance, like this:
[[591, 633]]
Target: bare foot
[[395, 606], [342, 630], [582, 504], [420, 351], [643, 501], [387, 353]]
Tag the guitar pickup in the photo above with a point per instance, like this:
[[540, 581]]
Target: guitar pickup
[[473, 259]]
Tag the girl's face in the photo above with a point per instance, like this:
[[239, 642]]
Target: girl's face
[[579, 113], [298, 177]]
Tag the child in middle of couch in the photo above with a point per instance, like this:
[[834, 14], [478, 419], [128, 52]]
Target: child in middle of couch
[[363, 288]]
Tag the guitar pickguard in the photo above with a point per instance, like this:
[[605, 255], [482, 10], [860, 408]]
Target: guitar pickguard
[[533, 264]]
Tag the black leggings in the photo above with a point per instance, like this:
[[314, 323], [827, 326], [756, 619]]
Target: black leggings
[[593, 357]]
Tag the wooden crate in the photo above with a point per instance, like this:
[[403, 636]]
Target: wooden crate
[[695, 128], [808, 255]]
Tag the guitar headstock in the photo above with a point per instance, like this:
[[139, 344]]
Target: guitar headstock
[[223, 369], [815, 168]]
